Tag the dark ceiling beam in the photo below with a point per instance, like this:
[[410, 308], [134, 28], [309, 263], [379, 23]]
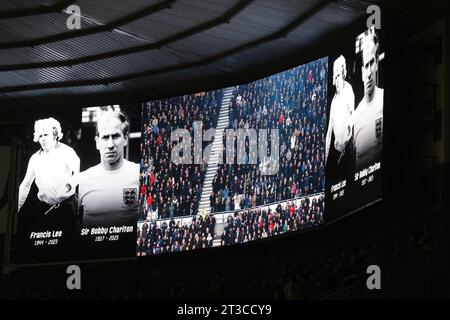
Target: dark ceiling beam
[[89, 31], [283, 32], [225, 18], [322, 46], [19, 13]]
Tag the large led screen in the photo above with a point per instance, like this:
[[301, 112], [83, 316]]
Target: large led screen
[[354, 138], [283, 153], [78, 196], [234, 165]]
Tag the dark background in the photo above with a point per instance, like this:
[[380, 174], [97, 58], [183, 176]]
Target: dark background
[[406, 234]]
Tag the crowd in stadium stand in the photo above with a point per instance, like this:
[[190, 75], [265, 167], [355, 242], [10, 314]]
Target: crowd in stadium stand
[[173, 237], [294, 102], [258, 223], [167, 188], [240, 227]]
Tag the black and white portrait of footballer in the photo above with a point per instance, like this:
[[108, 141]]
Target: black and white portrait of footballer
[[77, 175], [354, 140], [368, 116], [108, 191], [47, 201]]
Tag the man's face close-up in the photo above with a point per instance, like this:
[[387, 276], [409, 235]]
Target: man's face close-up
[[47, 139], [369, 68], [338, 78], [110, 140]]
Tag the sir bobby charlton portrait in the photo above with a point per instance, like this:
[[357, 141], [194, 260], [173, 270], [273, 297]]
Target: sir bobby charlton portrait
[[368, 117], [108, 192]]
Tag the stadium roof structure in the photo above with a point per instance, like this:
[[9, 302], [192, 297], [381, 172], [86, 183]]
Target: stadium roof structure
[[133, 50]]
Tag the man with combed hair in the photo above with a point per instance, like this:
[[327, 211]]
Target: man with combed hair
[[368, 116], [108, 192], [52, 169]]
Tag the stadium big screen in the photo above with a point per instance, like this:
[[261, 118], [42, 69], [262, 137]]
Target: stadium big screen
[[284, 153], [234, 165], [78, 197], [354, 138]]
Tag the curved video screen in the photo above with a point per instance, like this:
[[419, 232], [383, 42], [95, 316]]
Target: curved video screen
[[234, 165], [288, 152], [354, 139]]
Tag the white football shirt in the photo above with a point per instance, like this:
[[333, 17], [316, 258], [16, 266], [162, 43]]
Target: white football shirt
[[342, 107], [52, 171], [368, 130], [109, 198]]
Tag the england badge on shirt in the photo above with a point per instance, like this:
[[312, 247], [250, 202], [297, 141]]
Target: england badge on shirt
[[379, 128], [130, 196]]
